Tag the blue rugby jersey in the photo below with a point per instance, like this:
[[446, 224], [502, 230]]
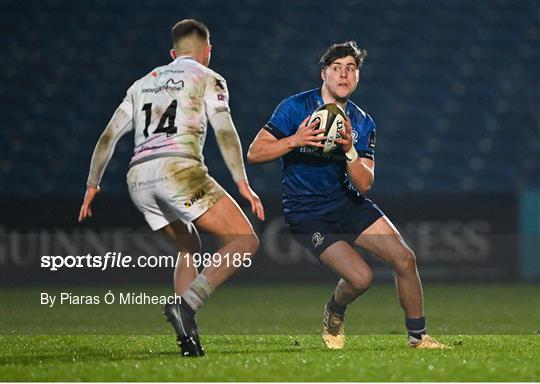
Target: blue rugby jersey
[[314, 184]]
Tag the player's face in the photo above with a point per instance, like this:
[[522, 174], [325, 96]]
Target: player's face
[[341, 77]]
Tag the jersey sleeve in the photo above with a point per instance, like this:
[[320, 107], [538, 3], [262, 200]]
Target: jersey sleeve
[[120, 123], [281, 123], [365, 145], [216, 95], [127, 104]]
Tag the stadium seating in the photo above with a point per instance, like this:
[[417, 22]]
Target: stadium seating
[[454, 86]]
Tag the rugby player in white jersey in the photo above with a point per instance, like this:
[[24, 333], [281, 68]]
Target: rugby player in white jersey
[[169, 109]]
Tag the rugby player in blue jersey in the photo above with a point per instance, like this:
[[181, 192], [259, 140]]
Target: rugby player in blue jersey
[[323, 195]]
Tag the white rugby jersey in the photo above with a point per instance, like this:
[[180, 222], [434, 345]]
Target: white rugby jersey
[[170, 108]]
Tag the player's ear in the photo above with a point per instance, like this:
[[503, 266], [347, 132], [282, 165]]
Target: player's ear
[[173, 54], [323, 74], [208, 54]]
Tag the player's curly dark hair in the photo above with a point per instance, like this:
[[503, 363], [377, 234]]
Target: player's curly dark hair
[[337, 51], [188, 27]]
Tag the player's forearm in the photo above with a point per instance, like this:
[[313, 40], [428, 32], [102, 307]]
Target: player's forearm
[[361, 175], [229, 145], [231, 150], [264, 150], [119, 124]]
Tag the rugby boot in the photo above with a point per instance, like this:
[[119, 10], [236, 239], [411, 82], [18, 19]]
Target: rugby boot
[[426, 342], [333, 329], [182, 318]]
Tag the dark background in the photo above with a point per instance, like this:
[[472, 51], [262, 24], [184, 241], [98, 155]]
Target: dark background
[[453, 86]]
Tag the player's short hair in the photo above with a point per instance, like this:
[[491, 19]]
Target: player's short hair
[[189, 27], [337, 51]]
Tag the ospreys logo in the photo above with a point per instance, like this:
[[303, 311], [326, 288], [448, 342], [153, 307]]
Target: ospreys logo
[[219, 85], [196, 197], [317, 239], [172, 85]]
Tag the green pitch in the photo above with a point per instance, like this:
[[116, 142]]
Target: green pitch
[[262, 333]]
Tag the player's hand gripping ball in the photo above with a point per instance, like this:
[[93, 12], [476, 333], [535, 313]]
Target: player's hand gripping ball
[[331, 118]]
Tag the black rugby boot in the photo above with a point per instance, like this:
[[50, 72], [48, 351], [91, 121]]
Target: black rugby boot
[[182, 318]]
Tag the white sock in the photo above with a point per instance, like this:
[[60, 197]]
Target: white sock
[[199, 291]]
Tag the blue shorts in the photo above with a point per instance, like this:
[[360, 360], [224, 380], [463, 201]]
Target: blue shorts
[[320, 232]]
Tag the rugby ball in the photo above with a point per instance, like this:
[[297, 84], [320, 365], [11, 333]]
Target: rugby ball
[[331, 118]]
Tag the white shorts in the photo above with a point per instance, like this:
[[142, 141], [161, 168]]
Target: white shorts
[[167, 189]]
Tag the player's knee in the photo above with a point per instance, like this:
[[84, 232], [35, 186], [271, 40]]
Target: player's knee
[[362, 282], [406, 261], [249, 244], [253, 244]]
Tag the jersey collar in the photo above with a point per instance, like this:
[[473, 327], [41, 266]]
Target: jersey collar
[[179, 58], [320, 101]]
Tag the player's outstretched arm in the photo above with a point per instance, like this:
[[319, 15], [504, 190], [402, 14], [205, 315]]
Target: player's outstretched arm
[[361, 171], [120, 123], [266, 147], [231, 150]]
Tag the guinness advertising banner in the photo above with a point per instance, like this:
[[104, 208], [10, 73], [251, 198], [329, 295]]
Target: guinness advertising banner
[[470, 238]]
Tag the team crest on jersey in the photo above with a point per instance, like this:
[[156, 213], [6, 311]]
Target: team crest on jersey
[[219, 85], [354, 136], [317, 239]]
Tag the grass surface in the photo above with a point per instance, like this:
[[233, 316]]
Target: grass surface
[[267, 358], [261, 333]]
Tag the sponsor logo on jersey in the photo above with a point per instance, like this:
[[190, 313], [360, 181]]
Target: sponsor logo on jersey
[[147, 184], [314, 152], [196, 197], [171, 71], [170, 85], [317, 239], [372, 139]]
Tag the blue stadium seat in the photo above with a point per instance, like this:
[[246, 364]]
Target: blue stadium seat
[[452, 85]]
